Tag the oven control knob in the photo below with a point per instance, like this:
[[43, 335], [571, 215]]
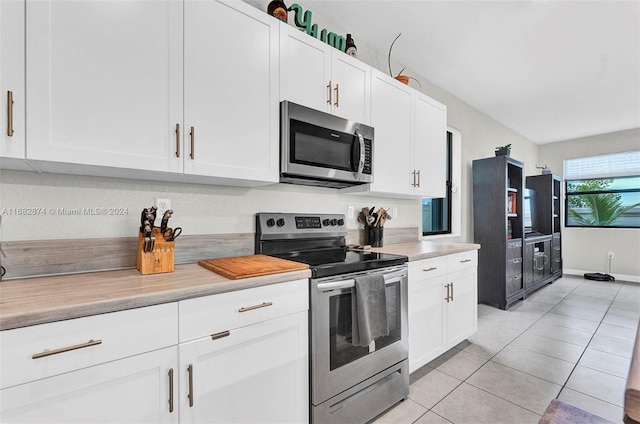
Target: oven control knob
[[341, 222], [271, 222], [334, 221], [326, 222], [280, 222]]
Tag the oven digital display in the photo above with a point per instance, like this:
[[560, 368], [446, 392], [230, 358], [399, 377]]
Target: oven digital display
[[303, 222]]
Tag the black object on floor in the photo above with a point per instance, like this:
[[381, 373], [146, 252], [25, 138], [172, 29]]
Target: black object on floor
[[598, 276]]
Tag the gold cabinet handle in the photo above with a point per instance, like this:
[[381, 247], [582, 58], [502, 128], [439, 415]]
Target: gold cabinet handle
[[177, 140], [251, 308], [220, 335], [170, 390], [192, 134], [66, 349], [337, 90], [190, 394], [10, 113], [329, 96], [433, 268]]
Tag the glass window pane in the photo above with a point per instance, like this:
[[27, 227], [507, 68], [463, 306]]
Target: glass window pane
[[603, 184], [604, 210]]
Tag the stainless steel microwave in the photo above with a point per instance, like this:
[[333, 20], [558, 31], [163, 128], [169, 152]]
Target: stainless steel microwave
[[324, 150]]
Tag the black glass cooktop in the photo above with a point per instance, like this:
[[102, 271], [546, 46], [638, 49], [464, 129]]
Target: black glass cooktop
[[336, 261]]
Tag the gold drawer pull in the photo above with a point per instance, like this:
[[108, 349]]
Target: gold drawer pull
[[220, 335], [10, 113], [192, 134], [170, 390], [251, 308], [433, 268], [329, 88], [66, 349]]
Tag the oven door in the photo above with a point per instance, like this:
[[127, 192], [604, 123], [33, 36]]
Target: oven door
[[337, 364]]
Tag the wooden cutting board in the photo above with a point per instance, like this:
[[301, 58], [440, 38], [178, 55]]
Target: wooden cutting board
[[250, 266]]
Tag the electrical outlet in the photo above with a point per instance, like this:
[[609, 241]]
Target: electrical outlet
[[162, 204], [350, 212], [610, 255]]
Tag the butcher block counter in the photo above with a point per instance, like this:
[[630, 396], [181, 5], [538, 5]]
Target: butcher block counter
[[416, 251], [40, 300]]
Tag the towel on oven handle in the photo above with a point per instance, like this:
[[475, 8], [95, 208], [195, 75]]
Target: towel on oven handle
[[369, 310]]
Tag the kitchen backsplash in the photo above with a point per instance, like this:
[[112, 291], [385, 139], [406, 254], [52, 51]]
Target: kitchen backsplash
[[50, 257]]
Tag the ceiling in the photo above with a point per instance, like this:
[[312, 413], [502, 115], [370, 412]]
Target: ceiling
[[550, 70]]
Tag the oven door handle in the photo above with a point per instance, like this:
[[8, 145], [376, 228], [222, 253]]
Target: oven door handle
[[347, 284]]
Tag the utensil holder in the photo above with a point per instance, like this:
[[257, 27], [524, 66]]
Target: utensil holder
[[374, 236], [160, 259]]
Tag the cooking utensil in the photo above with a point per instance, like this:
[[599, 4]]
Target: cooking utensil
[[149, 240]]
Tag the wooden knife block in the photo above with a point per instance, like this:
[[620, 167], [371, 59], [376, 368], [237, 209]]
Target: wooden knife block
[[160, 259]]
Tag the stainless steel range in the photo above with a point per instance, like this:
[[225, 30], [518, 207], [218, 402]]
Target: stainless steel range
[[353, 379]]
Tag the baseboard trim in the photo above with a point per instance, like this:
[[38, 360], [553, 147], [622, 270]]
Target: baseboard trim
[[618, 277]]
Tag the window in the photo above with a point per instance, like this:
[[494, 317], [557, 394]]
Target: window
[[436, 212], [603, 191]]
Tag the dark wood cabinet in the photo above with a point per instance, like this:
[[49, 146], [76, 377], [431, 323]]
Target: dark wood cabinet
[[498, 185], [548, 215]]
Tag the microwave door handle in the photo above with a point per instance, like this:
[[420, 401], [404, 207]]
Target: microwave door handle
[[362, 153]]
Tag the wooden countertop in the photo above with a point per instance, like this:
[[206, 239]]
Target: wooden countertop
[[46, 299], [40, 300], [426, 249]]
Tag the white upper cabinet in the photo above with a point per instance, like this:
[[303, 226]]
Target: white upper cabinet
[[409, 150], [317, 75], [231, 91], [12, 86], [104, 83], [430, 146], [392, 148]]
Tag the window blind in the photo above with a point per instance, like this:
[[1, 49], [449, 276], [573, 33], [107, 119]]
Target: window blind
[[604, 166]]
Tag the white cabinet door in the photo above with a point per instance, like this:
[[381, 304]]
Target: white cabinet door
[[351, 80], [12, 86], [318, 76], [105, 82], [426, 321], [305, 69], [132, 390], [231, 91], [430, 148], [462, 310], [254, 374], [391, 119]]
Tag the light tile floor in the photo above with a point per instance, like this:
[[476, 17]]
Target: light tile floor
[[571, 340]]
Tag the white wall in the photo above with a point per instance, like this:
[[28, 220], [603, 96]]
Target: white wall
[[585, 249]]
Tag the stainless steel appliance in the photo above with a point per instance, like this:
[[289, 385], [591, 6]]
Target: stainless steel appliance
[[349, 383], [320, 149]]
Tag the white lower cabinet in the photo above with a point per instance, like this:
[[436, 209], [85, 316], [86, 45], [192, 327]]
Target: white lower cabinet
[[130, 390], [104, 368], [442, 305], [244, 356], [140, 366], [254, 374]]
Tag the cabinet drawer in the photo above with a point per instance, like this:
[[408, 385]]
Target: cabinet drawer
[[428, 268], [514, 284], [514, 266], [462, 260], [45, 350], [209, 315], [514, 249]]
